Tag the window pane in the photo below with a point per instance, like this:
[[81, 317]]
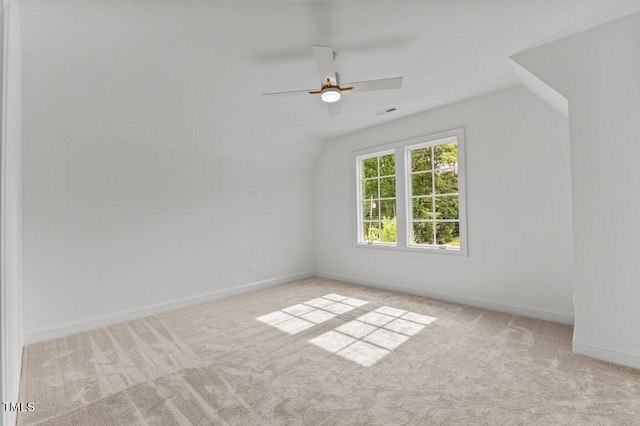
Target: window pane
[[446, 182], [422, 208], [389, 233], [422, 233], [388, 187], [370, 189], [446, 155], [370, 167], [447, 207], [387, 209], [421, 159], [421, 184], [371, 231], [388, 165], [370, 210], [448, 233]]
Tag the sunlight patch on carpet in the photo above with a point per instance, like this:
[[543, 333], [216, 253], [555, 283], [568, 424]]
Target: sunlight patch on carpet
[[372, 336], [296, 318]]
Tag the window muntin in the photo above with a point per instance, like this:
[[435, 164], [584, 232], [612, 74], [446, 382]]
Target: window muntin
[[434, 212], [377, 198]]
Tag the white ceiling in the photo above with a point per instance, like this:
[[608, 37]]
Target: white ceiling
[[191, 73]]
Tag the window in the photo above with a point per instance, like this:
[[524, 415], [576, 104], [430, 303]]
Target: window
[[378, 200], [434, 216], [410, 195]]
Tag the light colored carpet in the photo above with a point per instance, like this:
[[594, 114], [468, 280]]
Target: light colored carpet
[[216, 364]]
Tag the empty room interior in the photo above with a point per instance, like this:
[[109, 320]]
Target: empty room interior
[[320, 213]]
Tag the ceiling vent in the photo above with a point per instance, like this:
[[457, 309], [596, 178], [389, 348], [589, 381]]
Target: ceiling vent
[[386, 111]]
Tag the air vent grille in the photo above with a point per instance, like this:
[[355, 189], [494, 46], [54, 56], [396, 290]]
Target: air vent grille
[[386, 111]]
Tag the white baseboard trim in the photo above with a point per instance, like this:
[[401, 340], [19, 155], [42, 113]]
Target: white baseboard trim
[[72, 327], [616, 355], [495, 305]]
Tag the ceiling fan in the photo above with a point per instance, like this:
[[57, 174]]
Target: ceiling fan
[[331, 90]]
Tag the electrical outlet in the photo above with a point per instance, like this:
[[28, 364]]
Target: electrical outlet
[[252, 268]]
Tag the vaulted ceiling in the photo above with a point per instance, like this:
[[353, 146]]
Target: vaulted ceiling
[[190, 74]]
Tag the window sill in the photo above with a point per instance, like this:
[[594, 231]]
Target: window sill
[[413, 249]]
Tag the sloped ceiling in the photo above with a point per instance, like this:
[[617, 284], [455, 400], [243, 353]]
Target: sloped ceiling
[[189, 74]]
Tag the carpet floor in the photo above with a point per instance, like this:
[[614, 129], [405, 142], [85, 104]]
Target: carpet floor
[[321, 352]]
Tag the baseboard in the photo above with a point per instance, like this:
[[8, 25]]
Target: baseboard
[[496, 305], [607, 353], [71, 327]]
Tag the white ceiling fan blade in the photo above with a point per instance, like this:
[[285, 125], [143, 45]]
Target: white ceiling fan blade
[[334, 109], [290, 92], [382, 84], [326, 67]]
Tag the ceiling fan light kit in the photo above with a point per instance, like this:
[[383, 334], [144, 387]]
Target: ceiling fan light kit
[[331, 90], [330, 94]]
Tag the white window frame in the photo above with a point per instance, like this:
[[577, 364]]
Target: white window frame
[[359, 179], [401, 150]]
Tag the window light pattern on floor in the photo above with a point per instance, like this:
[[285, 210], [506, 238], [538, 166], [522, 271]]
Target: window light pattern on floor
[[297, 318], [374, 335]]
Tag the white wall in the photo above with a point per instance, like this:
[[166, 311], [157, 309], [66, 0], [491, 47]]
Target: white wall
[[11, 341], [111, 226], [145, 188], [519, 213], [599, 72]]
